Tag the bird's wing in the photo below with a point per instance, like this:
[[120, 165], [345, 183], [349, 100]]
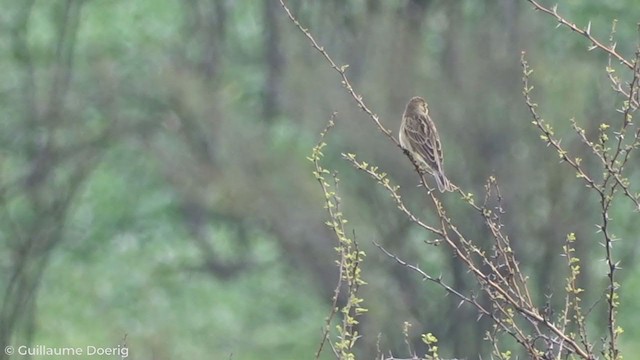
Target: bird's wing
[[422, 135]]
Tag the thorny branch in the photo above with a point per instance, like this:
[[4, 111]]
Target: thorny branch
[[349, 264], [613, 163], [586, 32], [512, 308], [342, 71]]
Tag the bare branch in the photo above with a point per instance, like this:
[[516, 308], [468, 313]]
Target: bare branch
[[586, 32]]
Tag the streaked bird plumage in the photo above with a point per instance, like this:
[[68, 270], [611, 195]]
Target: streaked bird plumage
[[419, 136]]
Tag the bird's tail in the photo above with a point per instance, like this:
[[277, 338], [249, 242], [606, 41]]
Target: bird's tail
[[442, 181]]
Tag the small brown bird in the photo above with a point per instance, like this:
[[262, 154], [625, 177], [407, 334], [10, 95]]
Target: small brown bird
[[418, 135]]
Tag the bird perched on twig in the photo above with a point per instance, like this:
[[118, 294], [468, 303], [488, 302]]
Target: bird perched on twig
[[418, 135]]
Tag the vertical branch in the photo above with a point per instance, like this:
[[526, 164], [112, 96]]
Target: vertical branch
[[64, 54], [605, 189], [213, 32], [48, 202], [612, 266], [272, 103], [349, 264], [23, 55]]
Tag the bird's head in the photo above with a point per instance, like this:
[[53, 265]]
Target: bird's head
[[417, 105]]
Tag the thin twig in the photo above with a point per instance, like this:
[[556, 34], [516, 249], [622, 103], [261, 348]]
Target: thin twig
[[611, 50]]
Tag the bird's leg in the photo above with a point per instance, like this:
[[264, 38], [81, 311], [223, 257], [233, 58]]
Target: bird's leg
[[422, 171], [423, 181]]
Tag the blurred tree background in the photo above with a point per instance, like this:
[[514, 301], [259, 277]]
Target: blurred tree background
[[154, 180]]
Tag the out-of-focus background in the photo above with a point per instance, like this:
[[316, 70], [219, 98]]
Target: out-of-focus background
[[154, 180]]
